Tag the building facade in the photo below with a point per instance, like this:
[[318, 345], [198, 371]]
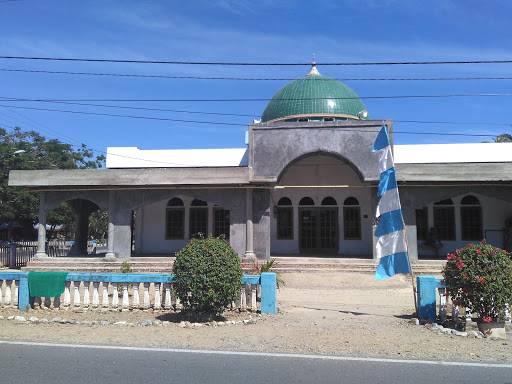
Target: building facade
[[305, 184]]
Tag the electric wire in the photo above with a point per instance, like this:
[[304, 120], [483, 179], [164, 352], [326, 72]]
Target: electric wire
[[76, 59], [256, 115], [247, 78], [268, 99], [246, 124]]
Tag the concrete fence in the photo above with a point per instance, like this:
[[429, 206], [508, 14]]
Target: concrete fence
[[122, 292], [429, 289]]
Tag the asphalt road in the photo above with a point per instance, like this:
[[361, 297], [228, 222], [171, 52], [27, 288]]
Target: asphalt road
[[51, 363]]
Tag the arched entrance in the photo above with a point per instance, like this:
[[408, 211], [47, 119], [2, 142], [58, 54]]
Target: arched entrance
[[321, 207]]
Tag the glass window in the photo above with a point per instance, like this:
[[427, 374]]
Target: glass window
[[284, 216], [198, 218], [351, 219], [221, 222], [444, 219], [175, 220], [422, 223], [471, 218], [329, 201], [306, 201], [284, 201], [351, 201]]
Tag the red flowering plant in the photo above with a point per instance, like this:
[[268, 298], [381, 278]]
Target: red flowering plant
[[479, 277]]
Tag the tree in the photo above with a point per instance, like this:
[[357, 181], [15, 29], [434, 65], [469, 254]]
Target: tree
[[503, 138], [62, 216], [29, 150], [98, 224]]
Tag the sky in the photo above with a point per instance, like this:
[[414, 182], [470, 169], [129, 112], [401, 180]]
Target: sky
[[236, 31]]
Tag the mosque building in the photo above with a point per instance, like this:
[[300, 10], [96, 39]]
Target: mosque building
[[304, 185]]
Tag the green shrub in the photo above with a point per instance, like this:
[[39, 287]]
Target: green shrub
[[125, 268], [479, 277], [268, 266], [208, 275]]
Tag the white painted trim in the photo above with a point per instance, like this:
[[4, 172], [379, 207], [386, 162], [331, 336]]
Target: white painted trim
[[262, 354]]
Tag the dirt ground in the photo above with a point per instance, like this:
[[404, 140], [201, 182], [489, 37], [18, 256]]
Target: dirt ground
[[328, 313]]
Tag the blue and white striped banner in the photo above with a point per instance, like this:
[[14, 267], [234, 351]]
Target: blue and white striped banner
[[392, 244]]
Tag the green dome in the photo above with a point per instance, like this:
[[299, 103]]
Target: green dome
[[314, 96]]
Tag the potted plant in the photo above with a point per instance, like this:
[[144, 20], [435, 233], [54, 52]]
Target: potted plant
[[479, 278]]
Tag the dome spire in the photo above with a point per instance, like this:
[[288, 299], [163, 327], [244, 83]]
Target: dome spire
[[313, 71]]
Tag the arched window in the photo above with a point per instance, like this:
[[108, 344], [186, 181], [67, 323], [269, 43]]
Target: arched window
[[306, 201], [284, 216], [284, 201], [351, 201], [351, 219], [471, 218], [329, 201], [175, 220], [444, 219], [198, 218]]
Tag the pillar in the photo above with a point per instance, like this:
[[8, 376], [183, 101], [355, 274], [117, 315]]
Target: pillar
[[249, 242], [81, 230], [111, 227], [41, 228]]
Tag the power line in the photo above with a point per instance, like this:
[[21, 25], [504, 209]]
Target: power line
[[153, 109], [57, 133], [126, 116], [451, 122], [267, 99], [216, 123], [257, 115], [245, 125], [248, 78], [253, 64]]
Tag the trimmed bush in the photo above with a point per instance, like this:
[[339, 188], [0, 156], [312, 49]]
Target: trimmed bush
[[208, 275]]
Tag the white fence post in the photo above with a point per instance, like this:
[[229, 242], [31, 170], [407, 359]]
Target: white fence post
[[136, 299], [442, 304], [126, 303]]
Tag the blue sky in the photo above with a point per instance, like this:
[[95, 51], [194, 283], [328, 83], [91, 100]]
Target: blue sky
[[249, 31]]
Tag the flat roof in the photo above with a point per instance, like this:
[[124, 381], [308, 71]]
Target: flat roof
[[453, 153], [133, 157]]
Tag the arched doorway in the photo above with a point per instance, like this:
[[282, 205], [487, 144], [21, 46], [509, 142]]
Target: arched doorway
[[321, 207]]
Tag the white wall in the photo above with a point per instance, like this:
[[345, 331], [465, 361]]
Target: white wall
[[151, 224], [453, 153], [320, 171], [494, 214], [133, 157]]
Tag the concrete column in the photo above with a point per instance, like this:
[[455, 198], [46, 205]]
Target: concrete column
[[211, 219], [122, 234], [249, 242], [111, 227], [81, 229], [41, 228]]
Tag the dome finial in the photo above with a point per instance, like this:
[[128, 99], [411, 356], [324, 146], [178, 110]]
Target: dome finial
[[313, 71]]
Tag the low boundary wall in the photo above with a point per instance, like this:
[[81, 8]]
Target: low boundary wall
[[266, 282]]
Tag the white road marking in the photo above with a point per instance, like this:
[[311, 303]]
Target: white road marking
[[262, 354]]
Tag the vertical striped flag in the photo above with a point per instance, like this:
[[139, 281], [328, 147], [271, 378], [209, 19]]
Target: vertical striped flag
[[392, 244]]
